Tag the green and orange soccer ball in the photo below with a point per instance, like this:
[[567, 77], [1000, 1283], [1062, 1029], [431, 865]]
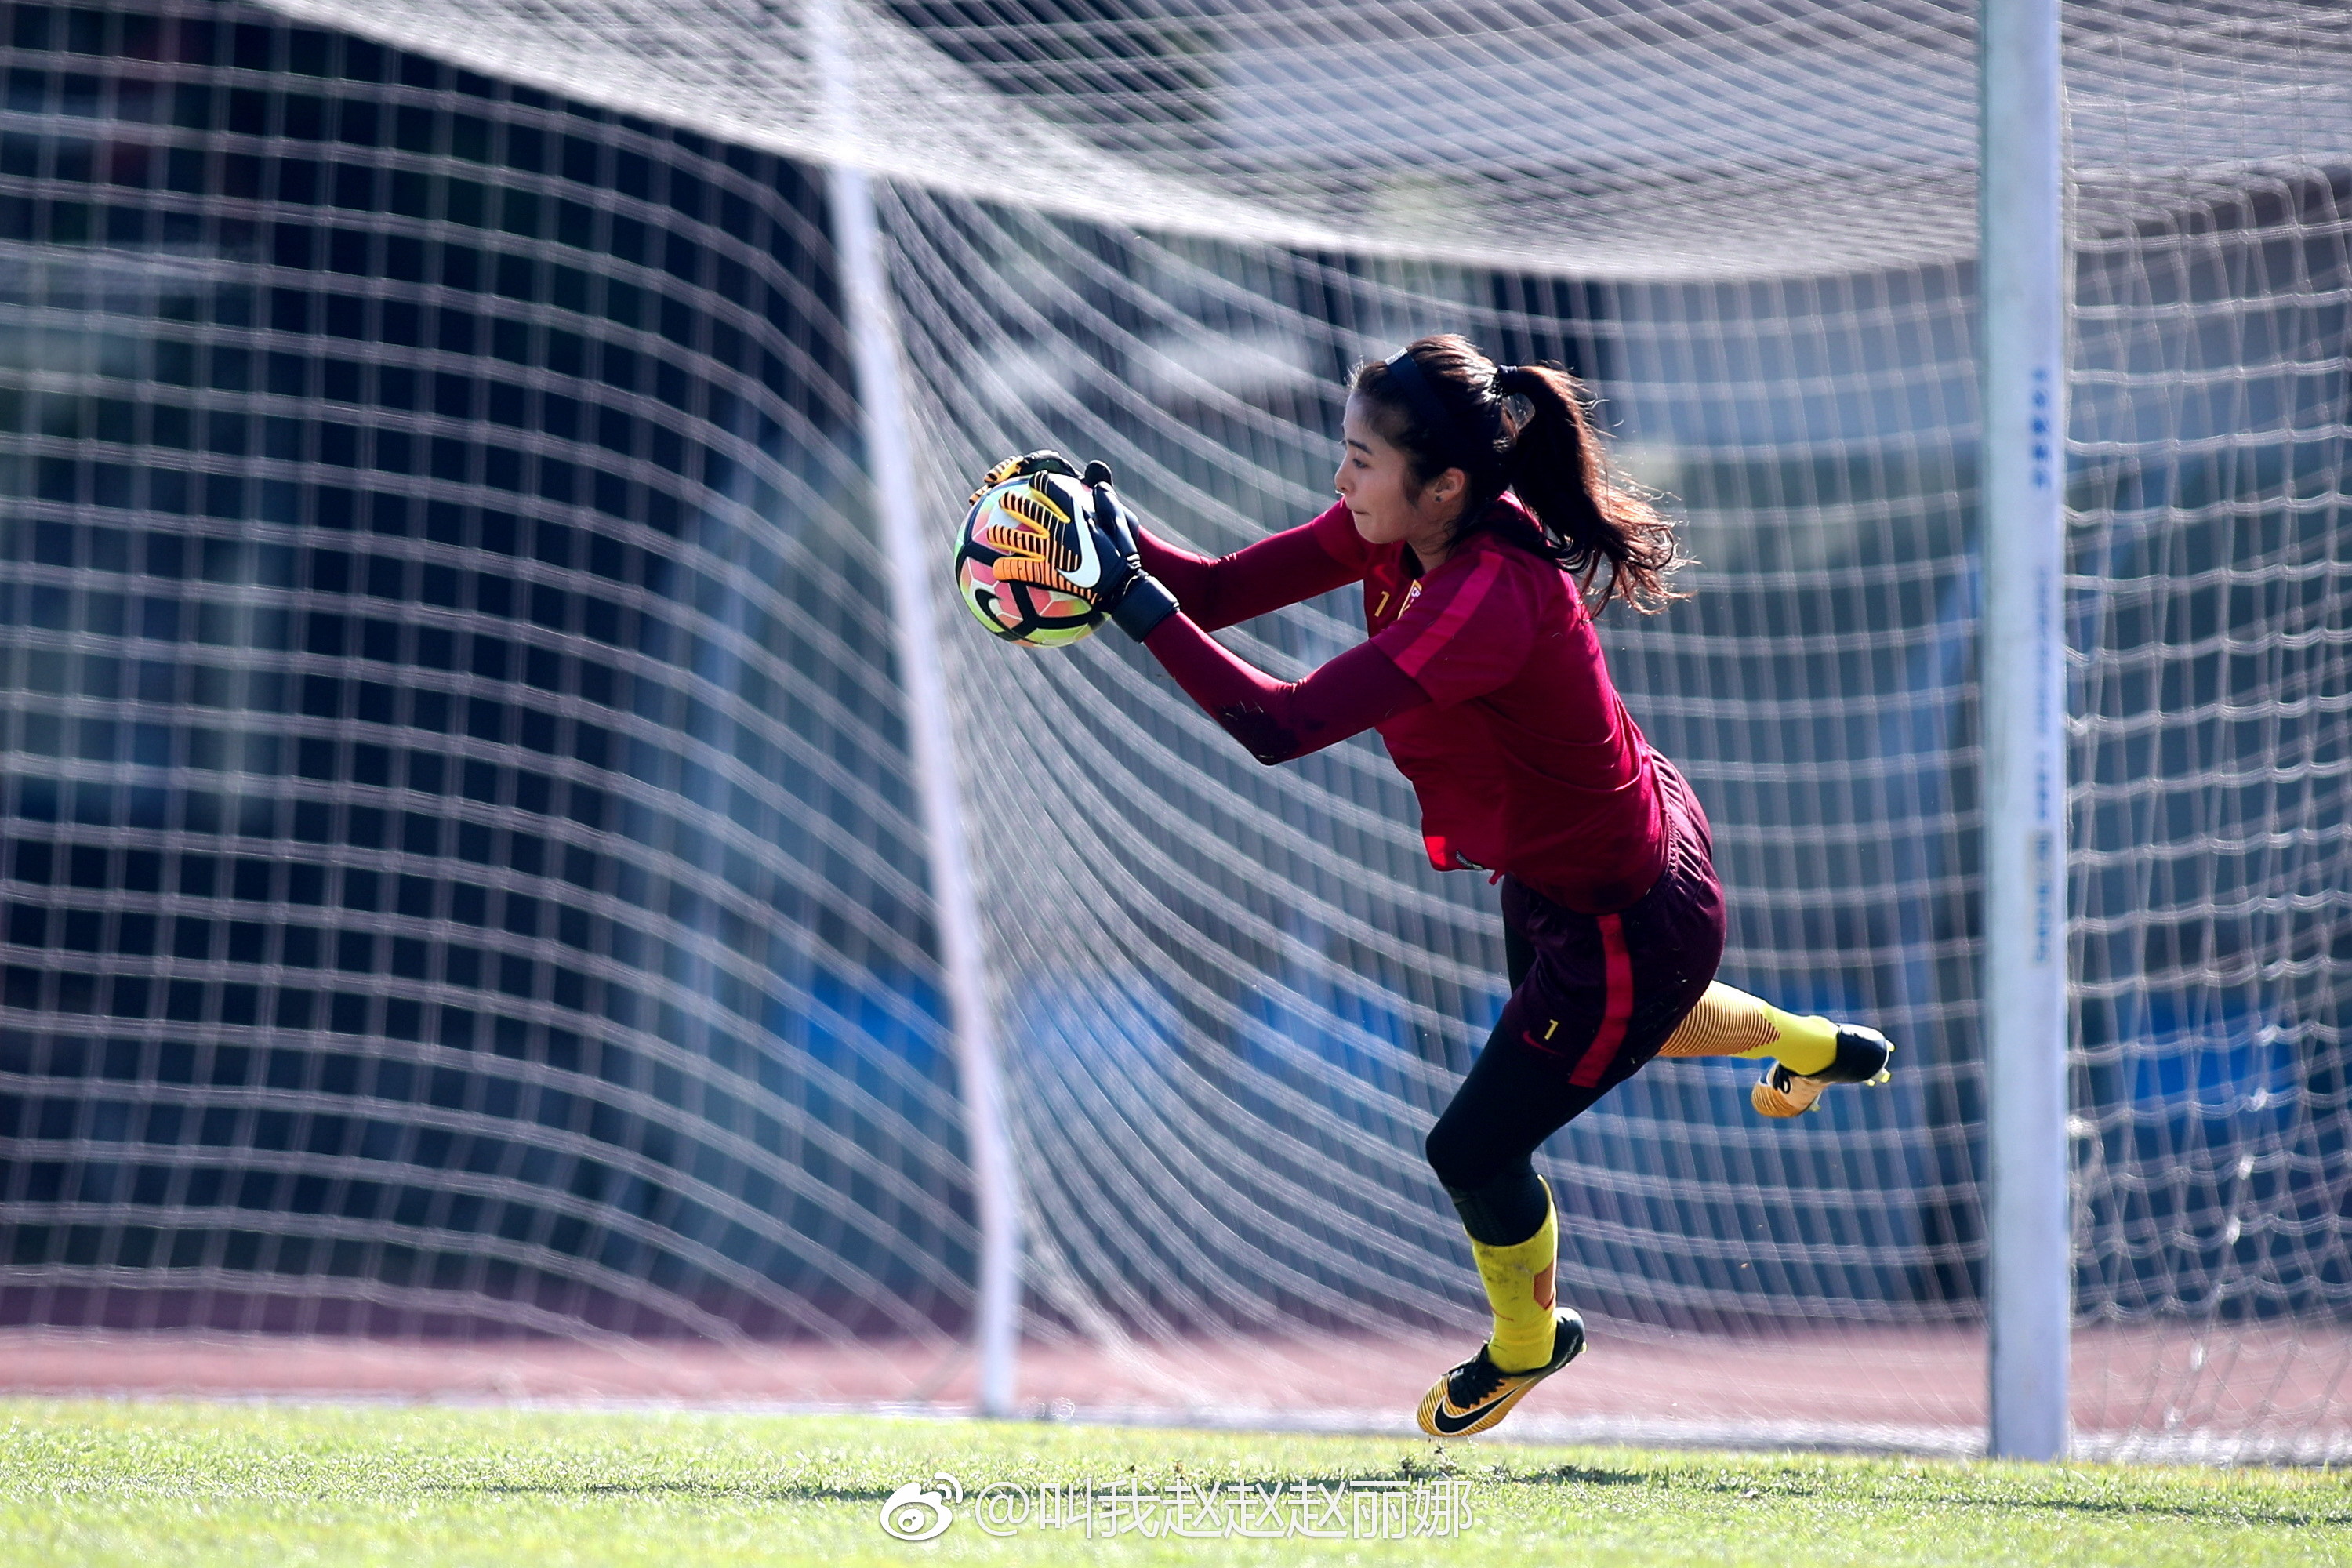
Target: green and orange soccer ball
[[1010, 558]]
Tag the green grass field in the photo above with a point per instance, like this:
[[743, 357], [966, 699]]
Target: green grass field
[[104, 1483]]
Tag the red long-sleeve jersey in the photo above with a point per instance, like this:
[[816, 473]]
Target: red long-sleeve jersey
[[1484, 679]]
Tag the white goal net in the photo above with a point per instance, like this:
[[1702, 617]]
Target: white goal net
[[466, 883]]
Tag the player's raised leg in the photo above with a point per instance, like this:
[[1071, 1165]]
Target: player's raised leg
[[1808, 1053]]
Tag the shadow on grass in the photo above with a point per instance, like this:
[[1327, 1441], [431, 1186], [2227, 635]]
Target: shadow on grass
[[2219, 1511], [798, 1491], [1581, 1476], [807, 1492]]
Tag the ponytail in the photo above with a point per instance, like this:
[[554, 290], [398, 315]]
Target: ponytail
[[1524, 429], [1555, 466]]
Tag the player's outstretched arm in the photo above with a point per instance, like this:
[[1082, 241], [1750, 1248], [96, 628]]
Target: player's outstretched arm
[[1281, 569], [1286, 568], [1277, 720]]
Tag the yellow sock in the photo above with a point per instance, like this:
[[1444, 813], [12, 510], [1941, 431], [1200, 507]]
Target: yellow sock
[[1518, 1280], [1731, 1023]]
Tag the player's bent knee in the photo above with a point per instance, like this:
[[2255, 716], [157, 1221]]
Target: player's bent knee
[[1452, 1156], [1463, 1156]]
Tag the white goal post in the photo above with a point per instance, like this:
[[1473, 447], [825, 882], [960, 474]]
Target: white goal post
[[2022, 277]]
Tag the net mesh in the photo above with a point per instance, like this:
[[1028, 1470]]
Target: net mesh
[[464, 876]]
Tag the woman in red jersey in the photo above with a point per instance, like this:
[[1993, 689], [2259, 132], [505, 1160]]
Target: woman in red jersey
[[1480, 515]]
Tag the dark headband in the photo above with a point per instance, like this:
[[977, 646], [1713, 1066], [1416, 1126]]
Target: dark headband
[[1429, 410]]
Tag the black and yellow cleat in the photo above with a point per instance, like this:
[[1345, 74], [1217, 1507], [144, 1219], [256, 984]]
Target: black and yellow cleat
[[1478, 1393], [1862, 1057]]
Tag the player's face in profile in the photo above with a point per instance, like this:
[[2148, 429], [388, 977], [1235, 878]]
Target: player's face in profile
[[1375, 480]]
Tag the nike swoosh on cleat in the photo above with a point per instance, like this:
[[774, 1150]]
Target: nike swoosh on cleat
[[1454, 1426]]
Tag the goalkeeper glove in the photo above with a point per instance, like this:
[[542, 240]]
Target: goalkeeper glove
[[1134, 599], [1044, 461]]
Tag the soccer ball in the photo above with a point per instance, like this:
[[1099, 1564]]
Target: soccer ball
[[1016, 543]]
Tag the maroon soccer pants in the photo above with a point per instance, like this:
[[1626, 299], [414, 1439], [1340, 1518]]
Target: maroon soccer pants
[[1593, 997]]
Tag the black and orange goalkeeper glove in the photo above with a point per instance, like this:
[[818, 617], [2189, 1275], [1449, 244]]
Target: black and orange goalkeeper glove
[[1044, 461], [1134, 599]]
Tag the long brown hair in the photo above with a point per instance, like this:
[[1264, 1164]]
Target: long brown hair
[[1525, 429]]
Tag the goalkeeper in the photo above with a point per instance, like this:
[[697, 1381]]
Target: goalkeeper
[[1482, 519]]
